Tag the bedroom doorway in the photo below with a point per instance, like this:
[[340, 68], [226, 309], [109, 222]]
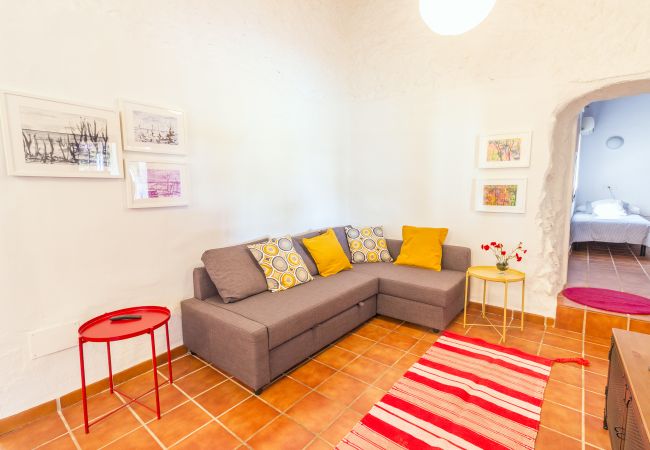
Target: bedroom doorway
[[610, 211]]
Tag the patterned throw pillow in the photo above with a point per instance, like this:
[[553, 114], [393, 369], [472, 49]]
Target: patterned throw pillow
[[283, 267], [367, 244]]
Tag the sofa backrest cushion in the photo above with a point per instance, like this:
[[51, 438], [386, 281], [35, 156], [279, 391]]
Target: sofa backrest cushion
[[453, 256], [343, 240], [302, 250], [394, 247], [203, 285], [234, 272]]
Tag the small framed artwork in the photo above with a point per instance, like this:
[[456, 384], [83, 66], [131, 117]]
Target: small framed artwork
[[498, 151], [153, 183], [152, 129], [501, 195], [51, 138]]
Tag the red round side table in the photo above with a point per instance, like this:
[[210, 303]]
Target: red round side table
[[102, 329]]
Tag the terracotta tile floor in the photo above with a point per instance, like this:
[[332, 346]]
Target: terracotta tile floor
[[610, 266], [316, 404]]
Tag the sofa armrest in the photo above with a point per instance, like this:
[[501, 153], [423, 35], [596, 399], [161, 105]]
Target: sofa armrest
[[231, 342], [455, 257]]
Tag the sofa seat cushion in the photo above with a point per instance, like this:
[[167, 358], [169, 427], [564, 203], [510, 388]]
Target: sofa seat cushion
[[414, 283], [288, 313]]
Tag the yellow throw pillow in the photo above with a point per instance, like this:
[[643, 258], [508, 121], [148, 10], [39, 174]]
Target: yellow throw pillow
[[327, 253], [422, 247]]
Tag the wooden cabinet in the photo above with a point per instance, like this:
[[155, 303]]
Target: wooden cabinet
[[627, 407]]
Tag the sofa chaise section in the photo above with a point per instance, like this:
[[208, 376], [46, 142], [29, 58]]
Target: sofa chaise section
[[421, 296]]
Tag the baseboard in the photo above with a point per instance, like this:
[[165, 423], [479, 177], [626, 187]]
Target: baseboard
[[23, 418], [529, 317], [29, 415]]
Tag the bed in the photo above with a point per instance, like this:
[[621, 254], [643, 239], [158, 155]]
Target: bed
[[630, 229]]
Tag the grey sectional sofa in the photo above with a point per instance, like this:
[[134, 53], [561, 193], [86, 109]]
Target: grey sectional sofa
[[260, 337]]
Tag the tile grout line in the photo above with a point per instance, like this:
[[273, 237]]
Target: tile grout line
[[67, 432], [639, 263], [213, 417], [312, 390], [421, 339], [67, 425], [144, 424], [620, 284], [141, 421], [588, 267]]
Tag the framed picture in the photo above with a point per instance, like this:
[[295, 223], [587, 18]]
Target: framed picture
[[497, 151], [152, 183], [51, 138], [501, 195], [152, 129]]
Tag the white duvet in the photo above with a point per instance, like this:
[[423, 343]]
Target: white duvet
[[631, 229]]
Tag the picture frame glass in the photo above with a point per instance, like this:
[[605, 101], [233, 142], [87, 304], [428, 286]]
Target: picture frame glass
[[45, 137], [152, 129], [501, 195], [156, 183], [504, 150]]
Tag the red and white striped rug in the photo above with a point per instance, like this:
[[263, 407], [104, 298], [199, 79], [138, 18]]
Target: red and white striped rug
[[464, 393]]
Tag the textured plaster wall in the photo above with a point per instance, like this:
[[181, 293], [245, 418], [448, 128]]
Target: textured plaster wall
[[420, 100], [262, 83]]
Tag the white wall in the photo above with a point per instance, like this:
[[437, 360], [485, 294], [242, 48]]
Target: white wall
[[624, 169], [420, 101], [261, 83]]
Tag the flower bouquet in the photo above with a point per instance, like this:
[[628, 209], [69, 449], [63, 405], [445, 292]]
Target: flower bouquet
[[503, 257]]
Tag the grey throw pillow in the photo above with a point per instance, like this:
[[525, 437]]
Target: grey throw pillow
[[234, 272]]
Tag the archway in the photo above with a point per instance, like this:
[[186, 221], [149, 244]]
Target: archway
[[553, 216]]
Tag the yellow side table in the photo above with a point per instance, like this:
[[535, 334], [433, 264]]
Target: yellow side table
[[491, 273]]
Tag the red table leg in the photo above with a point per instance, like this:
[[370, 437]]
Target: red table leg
[[84, 400], [110, 366], [155, 372], [169, 355]]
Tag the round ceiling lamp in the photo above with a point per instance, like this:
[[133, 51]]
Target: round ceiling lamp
[[454, 17]]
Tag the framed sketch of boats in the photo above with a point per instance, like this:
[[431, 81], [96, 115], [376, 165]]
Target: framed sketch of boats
[[152, 129], [50, 138]]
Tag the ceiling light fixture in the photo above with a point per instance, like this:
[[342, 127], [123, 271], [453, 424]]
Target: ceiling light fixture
[[454, 17]]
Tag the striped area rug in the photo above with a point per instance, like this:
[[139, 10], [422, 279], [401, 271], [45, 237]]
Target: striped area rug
[[464, 393]]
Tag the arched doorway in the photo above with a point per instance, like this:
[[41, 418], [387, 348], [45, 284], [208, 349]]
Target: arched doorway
[[555, 206]]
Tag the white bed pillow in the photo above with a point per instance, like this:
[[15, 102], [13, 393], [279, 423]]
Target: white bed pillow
[[608, 209]]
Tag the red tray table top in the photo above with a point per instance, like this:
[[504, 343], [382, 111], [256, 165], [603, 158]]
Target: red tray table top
[[101, 329]]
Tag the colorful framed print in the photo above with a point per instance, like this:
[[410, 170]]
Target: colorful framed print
[[500, 195], [152, 129], [153, 183], [51, 138], [497, 151]]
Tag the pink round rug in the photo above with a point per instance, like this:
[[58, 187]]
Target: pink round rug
[[609, 300]]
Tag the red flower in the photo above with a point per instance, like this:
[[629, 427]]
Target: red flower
[[485, 247], [493, 244], [519, 258], [503, 252], [525, 251]]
